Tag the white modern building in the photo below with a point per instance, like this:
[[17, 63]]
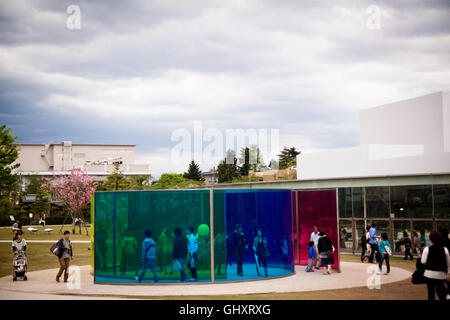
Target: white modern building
[[398, 177], [98, 160], [410, 137]]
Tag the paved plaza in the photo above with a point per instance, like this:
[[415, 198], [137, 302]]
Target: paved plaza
[[42, 285]]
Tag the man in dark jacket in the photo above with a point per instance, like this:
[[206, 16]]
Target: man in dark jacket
[[240, 244], [326, 251], [65, 254], [179, 253]]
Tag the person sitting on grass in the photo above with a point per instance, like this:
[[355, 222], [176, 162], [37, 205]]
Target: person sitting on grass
[[385, 251]]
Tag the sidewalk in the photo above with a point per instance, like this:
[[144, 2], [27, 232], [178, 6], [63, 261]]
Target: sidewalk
[[43, 283]]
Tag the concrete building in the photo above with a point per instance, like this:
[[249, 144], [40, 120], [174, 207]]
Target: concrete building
[[98, 160]]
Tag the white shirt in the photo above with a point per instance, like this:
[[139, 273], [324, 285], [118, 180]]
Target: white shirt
[[439, 275], [315, 238]]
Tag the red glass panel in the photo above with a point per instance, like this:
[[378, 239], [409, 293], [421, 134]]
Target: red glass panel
[[318, 208]]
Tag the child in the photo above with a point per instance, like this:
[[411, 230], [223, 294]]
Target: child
[[385, 252], [311, 257]]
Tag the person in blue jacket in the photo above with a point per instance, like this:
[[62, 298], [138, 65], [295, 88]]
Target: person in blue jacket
[[385, 251], [148, 256]]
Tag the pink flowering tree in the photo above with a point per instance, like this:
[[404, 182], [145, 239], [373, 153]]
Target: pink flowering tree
[[74, 190]]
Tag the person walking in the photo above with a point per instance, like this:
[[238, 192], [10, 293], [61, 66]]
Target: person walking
[[446, 243], [148, 256], [374, 250], [311, 257], [326, 250], [129, 249], [385, 251], [437, 266], [65, 254], [261, 252], [240, 244], [19, 245], [407, 243], [284, 246], [315, 238], [416, 245], [363, 245], [192, 250], [179, 253]]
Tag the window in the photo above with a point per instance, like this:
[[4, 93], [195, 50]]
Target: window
[[411, 201], [441, 198], [358, 202], [377, 202], [345, 202]]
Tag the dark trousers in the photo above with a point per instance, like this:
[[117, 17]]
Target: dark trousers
[[192, 265], [239, 261], [148, 264], [408, 253], [363, 251], [374, 247], [262, 263], [436, 286], [63, 267], [384, 257]]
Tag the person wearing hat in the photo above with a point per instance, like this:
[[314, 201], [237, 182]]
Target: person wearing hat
[[325, 251]]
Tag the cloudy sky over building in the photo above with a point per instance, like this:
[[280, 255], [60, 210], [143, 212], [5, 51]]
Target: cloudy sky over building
[[136, 71]]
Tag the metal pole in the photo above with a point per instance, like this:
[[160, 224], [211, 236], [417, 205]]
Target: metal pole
[[211, 228], [338, 232], [296, 222], [114, 233]]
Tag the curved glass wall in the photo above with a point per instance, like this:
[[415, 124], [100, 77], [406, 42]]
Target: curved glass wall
[[167, 236]]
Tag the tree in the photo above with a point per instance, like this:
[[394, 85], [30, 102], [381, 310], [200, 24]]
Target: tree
[[288, 157], [140, 182], [194, 172], [226, 172], [8, 155], [41, 204], [34, 185], [250, 159], [74, 190], [173, 181], [116, 180]]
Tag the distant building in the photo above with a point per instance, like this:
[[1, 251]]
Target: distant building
[[210, 177], [98, 160]]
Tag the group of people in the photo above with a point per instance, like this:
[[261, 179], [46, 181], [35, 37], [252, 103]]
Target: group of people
[[435, 258], [376, 246], [320, 251], [237, 244], [182, 249]]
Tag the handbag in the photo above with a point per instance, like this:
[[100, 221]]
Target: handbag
[[417, 276], [329, 254], [55, 249]]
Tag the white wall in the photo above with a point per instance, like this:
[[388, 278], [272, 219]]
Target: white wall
[[402, 138]]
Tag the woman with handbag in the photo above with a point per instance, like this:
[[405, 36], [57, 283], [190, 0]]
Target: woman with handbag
[[437, 266], [326, 250], [261, 252]]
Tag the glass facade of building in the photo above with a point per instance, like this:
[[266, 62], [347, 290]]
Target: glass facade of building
[[395, 209]]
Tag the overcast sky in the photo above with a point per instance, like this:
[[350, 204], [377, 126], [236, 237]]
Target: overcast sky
[[135, 71]]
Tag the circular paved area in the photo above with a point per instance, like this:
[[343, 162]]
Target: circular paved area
[[42, 284]]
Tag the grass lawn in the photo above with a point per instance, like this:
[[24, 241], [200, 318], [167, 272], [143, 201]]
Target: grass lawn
[[7, 234], [39, 257]]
